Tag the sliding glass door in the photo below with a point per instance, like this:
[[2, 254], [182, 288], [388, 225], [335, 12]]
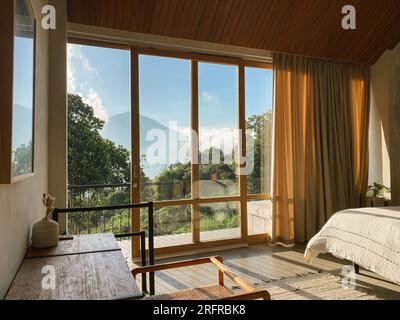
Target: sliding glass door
[[219, 150], [205, 148], [259, 125], [164, 119], [191, 133]]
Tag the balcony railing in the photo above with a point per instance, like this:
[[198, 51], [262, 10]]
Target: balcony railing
[[115, 221], [168, 221], [119, 221]]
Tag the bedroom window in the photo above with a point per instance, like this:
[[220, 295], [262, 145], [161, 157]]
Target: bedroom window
[[259, 126], [180, 122], [99, 137], [164, 121]]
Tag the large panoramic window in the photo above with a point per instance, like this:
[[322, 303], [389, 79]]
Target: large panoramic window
[[176, 120], [259, 124], [218, 129], [99, 136], [164, 104], [164, 128], [218, 136]]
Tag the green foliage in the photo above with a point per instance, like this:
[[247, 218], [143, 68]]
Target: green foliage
[[94, 160], [207, 212], [216, 168], [169, 220], [378, 189], [22, 163], [91, 158], [173, 182], [262, 126]]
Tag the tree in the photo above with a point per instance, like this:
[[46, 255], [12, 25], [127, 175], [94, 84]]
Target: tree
[[173, 182], [22, 162], [217, 167], [261, 126], [91, 158]]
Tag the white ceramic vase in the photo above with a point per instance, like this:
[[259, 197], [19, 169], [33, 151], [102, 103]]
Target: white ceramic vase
[[45, 234]]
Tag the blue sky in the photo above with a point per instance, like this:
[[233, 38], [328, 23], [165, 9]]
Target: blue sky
[[23, 91], [165, 89], [23, 72], [102, 77]]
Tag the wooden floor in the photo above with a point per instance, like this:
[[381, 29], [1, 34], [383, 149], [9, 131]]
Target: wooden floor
[[262, 262], [186, 238]]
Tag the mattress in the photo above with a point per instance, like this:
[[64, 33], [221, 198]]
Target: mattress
[[369, 237]]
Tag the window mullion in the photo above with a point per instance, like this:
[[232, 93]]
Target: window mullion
[[242, 152], [195, 150]]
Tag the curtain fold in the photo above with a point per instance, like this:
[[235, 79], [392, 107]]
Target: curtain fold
[[320, 143]]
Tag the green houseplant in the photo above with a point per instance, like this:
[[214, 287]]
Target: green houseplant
[[378, 195], [378, 189]]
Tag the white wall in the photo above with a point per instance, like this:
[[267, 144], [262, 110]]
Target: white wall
[[20, 203], [58, 110], [383, 143]]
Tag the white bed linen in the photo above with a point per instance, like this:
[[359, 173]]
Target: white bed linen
[[369, 237]]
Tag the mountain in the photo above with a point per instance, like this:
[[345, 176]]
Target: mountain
[[117, 129], [22, 125]]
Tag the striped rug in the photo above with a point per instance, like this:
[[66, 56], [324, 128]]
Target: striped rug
[[322, 286]]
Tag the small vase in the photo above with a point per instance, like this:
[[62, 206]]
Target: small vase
[[45, 234]]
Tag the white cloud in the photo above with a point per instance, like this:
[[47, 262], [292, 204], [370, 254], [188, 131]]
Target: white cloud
[[76, 61], [71, 80], [225, 139], [209, 96], [93, 99]]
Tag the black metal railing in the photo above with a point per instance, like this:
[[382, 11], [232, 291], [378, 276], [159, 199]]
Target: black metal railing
[[117, 221], [168, 220], [142, 234]]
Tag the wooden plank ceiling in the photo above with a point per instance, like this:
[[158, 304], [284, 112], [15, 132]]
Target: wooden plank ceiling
[[306, 27]]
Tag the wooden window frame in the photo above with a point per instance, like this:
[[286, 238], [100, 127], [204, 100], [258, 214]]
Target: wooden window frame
[[195, 201], [7, 36]]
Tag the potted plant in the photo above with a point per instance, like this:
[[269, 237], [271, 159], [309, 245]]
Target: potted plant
[[45, 233], [377, 195]]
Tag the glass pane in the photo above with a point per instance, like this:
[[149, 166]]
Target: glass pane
[[259, 217], [259, 123], [24, 34], [218, 124], [107, 221], [172, 225], [165, 128], [99, 131], [219, 221]]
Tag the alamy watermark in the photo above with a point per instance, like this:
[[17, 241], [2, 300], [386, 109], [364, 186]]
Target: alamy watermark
[[216, 147], [49, 280], [349, 277], [49, 21], [349, 21]]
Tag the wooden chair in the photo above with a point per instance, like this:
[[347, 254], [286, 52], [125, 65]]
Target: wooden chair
[[215, 292]]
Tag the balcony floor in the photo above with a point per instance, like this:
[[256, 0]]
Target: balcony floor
[[186, 238]]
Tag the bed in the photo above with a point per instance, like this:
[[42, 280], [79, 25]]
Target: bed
[[369, 237]]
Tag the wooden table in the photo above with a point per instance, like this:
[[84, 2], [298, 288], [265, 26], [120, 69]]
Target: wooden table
[[78, 245], [89, 267]]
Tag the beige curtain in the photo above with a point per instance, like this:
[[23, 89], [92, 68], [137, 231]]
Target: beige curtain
[[321, 143]]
